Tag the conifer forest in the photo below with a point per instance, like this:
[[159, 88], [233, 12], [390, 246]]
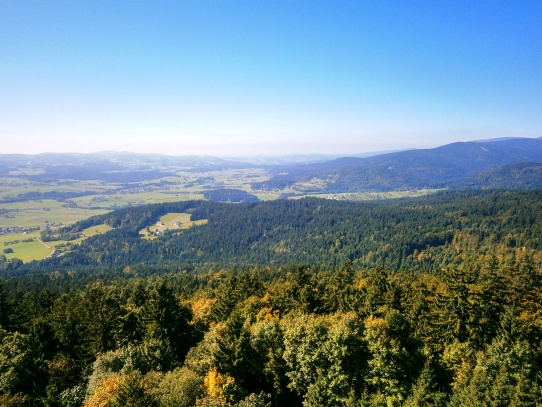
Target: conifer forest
[[427, 301]]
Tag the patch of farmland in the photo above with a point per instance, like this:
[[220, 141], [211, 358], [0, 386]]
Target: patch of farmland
[[171, 221]]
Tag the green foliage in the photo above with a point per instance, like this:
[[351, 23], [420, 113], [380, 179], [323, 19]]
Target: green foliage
[[20, 371], [16, 400], [467, 336], [267, 341], [339, 294], [325, 358], [6, 309], [132, 393], [232, 353], [255, 400], [425, 392], [395, 356], [458, 314], [100, 315], [179, 388], [167, 321], [461, 327], [503, 375], [234, 289], [72, 397]]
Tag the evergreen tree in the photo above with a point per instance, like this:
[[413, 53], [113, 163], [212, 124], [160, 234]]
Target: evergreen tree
[[167, 321], [20, 369], [396, 359], [456, 307]]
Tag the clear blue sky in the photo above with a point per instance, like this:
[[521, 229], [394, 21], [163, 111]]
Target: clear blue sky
[[266, 77]]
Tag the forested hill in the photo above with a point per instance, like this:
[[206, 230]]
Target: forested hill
[[519, 175], [144, 331], [451, 165], [415, 234]]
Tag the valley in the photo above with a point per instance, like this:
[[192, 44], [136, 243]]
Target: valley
[[32, 200]]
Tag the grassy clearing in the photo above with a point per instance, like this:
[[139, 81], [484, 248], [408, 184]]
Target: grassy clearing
[[28, 247], [266, 197], [31, 251], [171, 221], [96, 230], [26, 251]]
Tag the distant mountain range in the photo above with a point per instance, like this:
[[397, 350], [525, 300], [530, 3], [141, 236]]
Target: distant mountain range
[[117, 160], [499, 163]]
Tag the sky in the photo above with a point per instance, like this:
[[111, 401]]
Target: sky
[[257, 77]]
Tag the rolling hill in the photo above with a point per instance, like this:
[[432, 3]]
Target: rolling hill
[[416, 233], [456, 164], [515, 176]]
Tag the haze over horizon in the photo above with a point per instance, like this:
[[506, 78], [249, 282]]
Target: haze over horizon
[[242, 78]]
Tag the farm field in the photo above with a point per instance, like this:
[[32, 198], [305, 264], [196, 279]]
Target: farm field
[[28, 207], [24, 247], [28, 246], [43, 212], [170, 221], [45, 194]]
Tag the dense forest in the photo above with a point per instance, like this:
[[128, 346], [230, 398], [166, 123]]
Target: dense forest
[[418, 234], [268, 336], [431, 301]]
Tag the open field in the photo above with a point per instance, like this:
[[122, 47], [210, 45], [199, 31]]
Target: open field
[[23, 222], [27, 246], [40, 213], [171, 221], [13, 187], [115, 201]]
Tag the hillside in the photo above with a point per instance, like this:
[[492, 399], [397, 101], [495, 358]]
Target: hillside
[[518, 175], [438, 167], [416, 234]]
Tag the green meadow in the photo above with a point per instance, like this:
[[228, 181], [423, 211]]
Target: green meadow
[[171, 221], [27, 246]]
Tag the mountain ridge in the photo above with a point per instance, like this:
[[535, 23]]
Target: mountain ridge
[[438, 167], [456, 165]]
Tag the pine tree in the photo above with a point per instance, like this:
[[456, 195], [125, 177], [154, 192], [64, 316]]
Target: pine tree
[[167, 321], [456, 307]]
